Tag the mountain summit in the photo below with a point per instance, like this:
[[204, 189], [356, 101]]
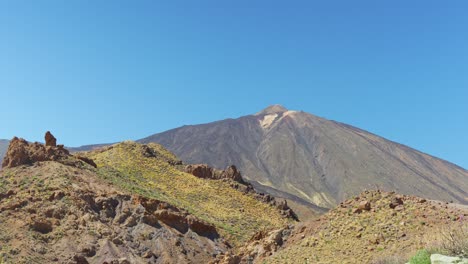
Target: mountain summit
[[313, 160], [272, 109]]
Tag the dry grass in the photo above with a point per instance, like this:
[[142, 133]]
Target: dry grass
[[450, 240], [390, 260]]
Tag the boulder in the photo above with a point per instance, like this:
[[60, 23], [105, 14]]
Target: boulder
[[364, 205], [396, 201], [232, 173], [441, 259]]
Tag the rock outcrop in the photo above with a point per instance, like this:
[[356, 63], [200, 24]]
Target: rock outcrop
[[206, 172], [50, 140], [21, 152]]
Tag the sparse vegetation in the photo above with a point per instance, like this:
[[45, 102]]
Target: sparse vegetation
[[452, 240], [51, 202], [382, 235], [146, 170]]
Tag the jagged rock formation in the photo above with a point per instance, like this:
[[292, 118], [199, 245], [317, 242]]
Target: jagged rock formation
[[206, 172], [21, 152], [50, 140], [314, 160]]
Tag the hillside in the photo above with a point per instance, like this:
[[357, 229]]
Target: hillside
[[373, 227], [314, 160], [132, 204], [148, 170]]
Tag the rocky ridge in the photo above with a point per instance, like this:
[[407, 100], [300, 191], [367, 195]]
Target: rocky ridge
[[235, 180]]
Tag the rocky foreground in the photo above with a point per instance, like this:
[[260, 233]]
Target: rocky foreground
[[368, 228], [133, 205]]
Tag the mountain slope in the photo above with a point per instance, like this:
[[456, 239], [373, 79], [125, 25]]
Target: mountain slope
[[314, 159]]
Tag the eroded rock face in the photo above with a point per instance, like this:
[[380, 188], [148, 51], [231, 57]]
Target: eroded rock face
[[176, 218], [20, 152], [206, 172], [50, 140], [232, 173]]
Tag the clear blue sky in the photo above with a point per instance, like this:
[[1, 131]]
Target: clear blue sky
[[105, 71]]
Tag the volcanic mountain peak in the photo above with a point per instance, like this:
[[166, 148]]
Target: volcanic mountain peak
[[272, 109], [271, 115], [310, 159]]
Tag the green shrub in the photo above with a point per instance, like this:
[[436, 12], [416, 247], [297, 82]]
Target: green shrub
[[421, 257]]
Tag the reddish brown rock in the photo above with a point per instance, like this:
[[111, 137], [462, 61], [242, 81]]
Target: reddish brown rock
[[232, 173], [364, 205], [396, 201], [50, 140], [201, 171], [87, 160], [173, 219], [201, 227], [206, 172], [17, 153], [21, 152]]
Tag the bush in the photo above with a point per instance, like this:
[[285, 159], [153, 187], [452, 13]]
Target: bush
[[451, 241], [421, 257]]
